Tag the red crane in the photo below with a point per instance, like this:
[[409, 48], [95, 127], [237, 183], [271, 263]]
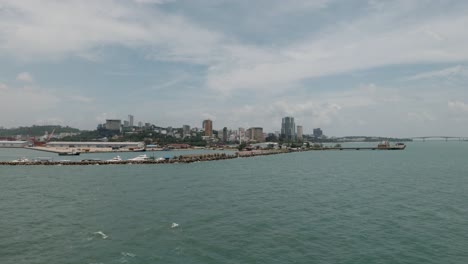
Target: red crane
[[38, 143]]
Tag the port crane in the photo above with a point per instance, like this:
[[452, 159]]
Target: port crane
[[38, 143]]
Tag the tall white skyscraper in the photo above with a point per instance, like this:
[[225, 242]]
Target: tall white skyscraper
[[299, 132], [130, 120]]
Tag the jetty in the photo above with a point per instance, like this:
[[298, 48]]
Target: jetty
[[190, 158]]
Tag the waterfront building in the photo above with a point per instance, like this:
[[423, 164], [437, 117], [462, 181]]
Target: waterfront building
[[318, 132], [13, 144], [113, 124], [130, 120], [81, 144], [208, 127], [288, 128], [299, 133], [265, 145], [255, 134]]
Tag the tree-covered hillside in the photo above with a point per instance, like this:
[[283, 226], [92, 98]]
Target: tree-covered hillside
[[35, 130]]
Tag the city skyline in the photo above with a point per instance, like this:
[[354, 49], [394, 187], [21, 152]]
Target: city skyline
[[350, 68]]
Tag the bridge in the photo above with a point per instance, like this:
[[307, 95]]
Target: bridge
[[446, 138]]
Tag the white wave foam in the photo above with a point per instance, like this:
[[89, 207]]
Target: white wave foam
[[128, 254], [174, 225], [104, 236]]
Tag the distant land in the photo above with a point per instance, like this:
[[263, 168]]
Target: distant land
[[150, 135]]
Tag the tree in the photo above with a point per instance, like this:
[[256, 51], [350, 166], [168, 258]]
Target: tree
[[242, 146]]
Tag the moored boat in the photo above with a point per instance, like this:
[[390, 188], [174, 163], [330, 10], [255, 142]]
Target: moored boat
[[140, 158], [71, 153], [386, 145], [21, 160], [115, 159]]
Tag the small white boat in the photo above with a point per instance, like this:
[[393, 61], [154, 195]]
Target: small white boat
[[114, 159], [140, 158], [43, 159], [21, 160]]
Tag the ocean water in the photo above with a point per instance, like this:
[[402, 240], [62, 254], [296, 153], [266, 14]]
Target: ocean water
[[312, 207]]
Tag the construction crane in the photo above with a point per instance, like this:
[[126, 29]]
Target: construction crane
[[37, 143]]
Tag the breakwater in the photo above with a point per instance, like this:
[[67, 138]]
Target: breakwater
[[180, 159], [176, 159]]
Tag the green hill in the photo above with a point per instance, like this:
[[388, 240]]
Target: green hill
[[35, 130]]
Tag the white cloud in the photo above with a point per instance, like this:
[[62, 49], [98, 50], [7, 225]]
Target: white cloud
[[264, 80], [50, 121], [52, 29], [24, 77], [81, 99], [421, 116], [3, 87], [456, 71], [25, 104], [458, 106], [376, 40]]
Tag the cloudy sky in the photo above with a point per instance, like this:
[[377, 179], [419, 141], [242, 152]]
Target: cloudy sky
[[389, 68]]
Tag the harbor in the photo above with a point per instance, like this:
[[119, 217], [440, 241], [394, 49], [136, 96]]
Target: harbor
[[188, 157]]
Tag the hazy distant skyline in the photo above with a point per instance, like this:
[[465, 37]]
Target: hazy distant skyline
[[385, 68]]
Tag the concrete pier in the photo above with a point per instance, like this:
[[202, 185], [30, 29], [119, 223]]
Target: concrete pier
[[187, 158]]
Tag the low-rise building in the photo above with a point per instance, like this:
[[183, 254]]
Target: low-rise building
[[62, 144], [13, 144], [265, 145]]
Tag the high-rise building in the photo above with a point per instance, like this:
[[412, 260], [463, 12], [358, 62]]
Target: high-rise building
[[130, 120], [255, 134], [185, 130], [225, 134], [113, 124], [318, 132], [288, 128], [241, 134], [208, 127], [299, 133]]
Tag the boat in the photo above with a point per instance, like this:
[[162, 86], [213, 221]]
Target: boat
[[139, 150], [386, 145], [23, 159], [43, 159], [115, 159], [71, 153], [399, 146], [140, 158]]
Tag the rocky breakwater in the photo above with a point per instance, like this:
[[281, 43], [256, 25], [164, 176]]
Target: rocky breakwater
[[176, 159]]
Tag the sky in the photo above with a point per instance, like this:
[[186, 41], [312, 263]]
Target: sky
[[396, 68]]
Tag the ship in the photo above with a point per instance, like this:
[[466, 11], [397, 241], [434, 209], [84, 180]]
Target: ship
[[71, 153], [386, 145]]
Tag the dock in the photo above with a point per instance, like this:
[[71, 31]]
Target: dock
[[190, 158]]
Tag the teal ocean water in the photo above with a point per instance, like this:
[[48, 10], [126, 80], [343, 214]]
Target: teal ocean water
[[313, 207]]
